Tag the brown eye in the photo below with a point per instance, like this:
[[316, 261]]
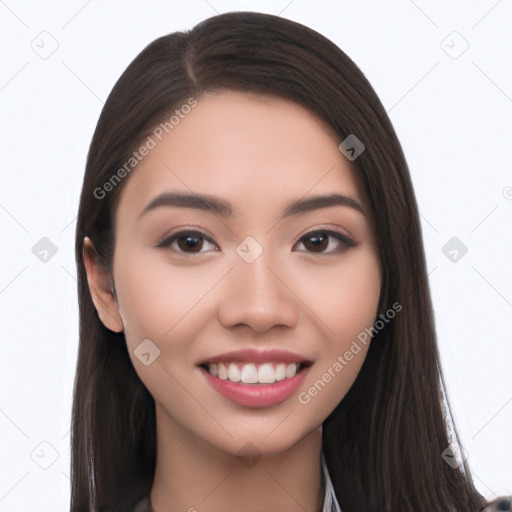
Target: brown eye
[[190, 242], [187, 242], [319, 241]]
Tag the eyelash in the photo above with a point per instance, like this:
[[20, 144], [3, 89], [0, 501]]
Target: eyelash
[[345, 241]]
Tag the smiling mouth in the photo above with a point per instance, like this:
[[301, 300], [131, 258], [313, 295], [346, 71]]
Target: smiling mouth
[[254, 373]]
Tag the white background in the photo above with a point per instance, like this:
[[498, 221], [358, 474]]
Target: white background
[[453, 117]]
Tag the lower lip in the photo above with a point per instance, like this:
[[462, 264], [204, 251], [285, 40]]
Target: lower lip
[[257, 395]]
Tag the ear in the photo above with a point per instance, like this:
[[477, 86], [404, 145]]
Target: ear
[[101, 288]]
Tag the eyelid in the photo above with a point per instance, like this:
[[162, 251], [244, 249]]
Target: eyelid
[[335, 231], [167, 240], [346, 241], [186, 230]]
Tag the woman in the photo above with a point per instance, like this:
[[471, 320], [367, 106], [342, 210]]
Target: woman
[[256, 328]]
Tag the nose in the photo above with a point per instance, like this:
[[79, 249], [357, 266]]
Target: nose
[[259, 296]]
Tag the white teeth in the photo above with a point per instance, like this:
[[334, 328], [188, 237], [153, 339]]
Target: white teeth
[[266, 374], [291, 370], [250, 373], [223, 373], [234, 373], [280, 372]]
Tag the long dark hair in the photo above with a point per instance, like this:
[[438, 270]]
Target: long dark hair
[[384, 441]]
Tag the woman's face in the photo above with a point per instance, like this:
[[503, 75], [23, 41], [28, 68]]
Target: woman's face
[[253, 279]]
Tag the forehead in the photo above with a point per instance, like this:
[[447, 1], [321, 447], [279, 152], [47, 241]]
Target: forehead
[[255, 151]]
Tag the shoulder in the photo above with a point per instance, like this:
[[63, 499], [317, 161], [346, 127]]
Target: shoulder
[[143, 505], [500, 504]]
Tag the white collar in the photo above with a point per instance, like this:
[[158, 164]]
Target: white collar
[[330, 502]]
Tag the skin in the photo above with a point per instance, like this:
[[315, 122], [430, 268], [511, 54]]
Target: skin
[[258, 153]]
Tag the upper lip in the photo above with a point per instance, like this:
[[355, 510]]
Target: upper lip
[[258, 356]]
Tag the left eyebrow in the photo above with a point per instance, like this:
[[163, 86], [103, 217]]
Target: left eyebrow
[[218, 206], [317, 202]]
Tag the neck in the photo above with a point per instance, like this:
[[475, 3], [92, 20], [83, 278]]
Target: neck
[[193, 474]]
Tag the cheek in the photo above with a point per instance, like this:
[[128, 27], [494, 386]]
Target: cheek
[[142, 296], [154, 295], [344, 296], [347, 301], [357, 297], [163, 303]]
